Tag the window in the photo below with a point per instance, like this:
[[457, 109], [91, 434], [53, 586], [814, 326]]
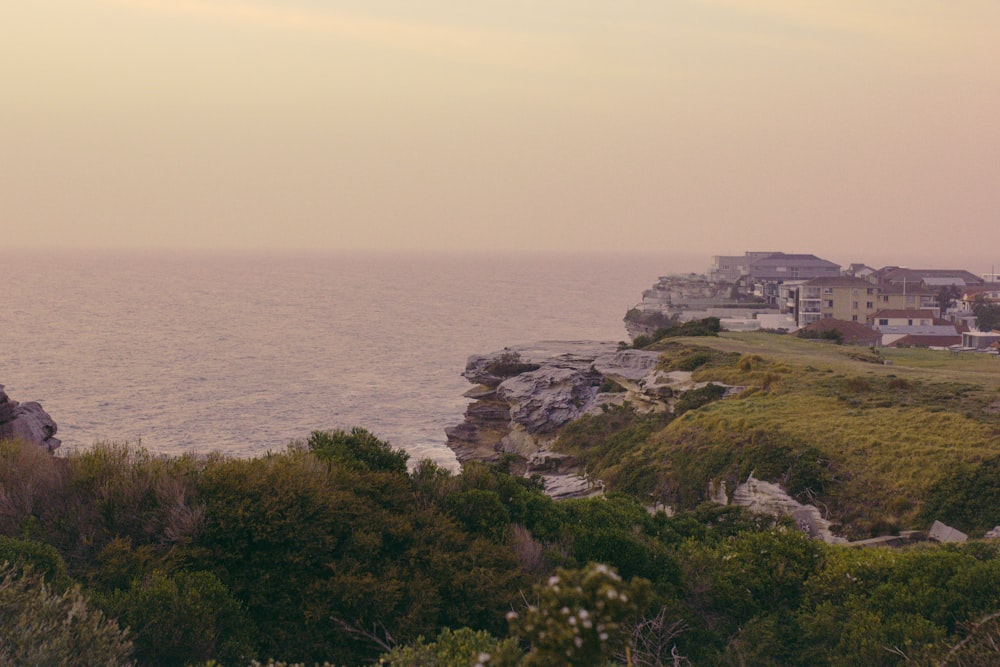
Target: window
[[827, 290], [883, 323], [854, 305], [869, 305], [828, 303], [854, 318], [827, 316], [854, 291], [870, 291], [909, 322]]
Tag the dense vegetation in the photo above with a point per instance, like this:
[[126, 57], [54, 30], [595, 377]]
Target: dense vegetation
[[881, 440], [709, 326], [336, 550]]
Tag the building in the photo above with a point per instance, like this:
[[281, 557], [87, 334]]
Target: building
[[840, 298], [980, 340], [930, 278], [859, 270], [769, 267], [730, 268], [779, 267], [988, 293], [902, 296], [914, 328]]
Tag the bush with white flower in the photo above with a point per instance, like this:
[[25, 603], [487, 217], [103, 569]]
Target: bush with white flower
[[578, 617]]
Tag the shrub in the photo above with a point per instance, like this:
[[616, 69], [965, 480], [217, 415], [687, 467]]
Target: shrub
[[41, 627], [580, 615], [185, 618], [358, 450], [695, 398], [508, 364], [40, 558], [458, 648]]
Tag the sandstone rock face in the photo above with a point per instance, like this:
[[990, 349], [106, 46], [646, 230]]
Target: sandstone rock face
[[27, 421], [543, 400], [525, 394], [767, 498], [943, 533]]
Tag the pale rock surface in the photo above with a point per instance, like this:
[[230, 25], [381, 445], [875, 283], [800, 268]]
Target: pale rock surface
[[943, 533], [767, 498], [543, 400], [27, 421], [524, 394]]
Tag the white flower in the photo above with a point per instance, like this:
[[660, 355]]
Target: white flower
[[553, 580], [578, 641]]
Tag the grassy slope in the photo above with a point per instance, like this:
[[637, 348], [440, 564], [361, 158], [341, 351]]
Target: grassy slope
[[869, 441]]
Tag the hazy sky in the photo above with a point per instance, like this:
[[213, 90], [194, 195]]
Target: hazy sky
[[855, 129]]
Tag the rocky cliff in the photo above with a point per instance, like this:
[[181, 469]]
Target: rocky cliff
[[27, 421], [524, 394]]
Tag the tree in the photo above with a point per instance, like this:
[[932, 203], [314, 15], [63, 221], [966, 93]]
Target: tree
[[947, 297], [987, 313]]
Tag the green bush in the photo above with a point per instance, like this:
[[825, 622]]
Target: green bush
[[41, 627], [508, 364], [43, 559], [580, 617], [184, 618], [696, 398], [458, 648], [358, 450]]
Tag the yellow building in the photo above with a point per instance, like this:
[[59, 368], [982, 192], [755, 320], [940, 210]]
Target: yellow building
[[854, 299]]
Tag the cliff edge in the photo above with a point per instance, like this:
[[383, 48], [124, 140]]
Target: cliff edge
[[27, 421], [525, 394]]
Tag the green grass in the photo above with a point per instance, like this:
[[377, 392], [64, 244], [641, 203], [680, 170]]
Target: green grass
[[866, 440]]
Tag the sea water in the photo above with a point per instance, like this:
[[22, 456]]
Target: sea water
[[245, 353]]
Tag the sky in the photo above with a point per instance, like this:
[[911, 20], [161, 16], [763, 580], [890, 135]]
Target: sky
[[859, 130]]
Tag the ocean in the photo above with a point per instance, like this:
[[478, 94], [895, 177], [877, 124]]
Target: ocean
[[245, 353]]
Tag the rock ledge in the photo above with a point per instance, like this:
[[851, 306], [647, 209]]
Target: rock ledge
[[27, 421]]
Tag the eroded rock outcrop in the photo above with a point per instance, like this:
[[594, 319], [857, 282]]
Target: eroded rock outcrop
[[27, 421], [767, 498], [525, 394]]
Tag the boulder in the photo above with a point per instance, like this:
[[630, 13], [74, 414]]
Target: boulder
[[545, 399], [944, 533], [28, 422], [766, 498]]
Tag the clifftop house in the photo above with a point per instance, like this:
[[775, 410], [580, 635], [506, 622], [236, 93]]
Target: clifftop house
[[769, 266], [778, 290]]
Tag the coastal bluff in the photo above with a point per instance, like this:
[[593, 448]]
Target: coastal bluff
[[524, 394], [28, 422]]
